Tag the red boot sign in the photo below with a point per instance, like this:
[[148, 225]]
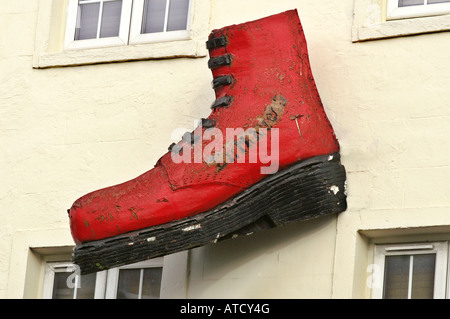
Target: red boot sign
[[266, 155]]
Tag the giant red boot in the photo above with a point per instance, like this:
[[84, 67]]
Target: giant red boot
[[213, 185]]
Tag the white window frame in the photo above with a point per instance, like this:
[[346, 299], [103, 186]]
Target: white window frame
[[130, 27], [394, 12], [113, 275], [136, 24], [54, 267], [441, 267], [122, 39]]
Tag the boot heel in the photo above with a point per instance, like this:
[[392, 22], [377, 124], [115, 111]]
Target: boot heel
[[309, 189], [314, 188]]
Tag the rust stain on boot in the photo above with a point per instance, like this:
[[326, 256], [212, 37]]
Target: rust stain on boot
[[133, 213], [233, 150], [273, 113]]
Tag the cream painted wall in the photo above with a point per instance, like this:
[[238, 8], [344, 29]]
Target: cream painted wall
[[67, 131]]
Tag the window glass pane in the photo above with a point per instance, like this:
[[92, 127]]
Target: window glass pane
[[87, 21], [144, 283], [111, 19], [153, 16], [407, 3], [151, 285], [62, 291], [178, 11], [87, 286], [423, 276], [129, 280], [396, 275]]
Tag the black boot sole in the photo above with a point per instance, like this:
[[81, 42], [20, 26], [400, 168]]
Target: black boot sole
[[309, 189]]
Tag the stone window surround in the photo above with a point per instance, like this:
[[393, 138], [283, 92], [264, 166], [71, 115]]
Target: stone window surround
[[51, 26], [370, 23]]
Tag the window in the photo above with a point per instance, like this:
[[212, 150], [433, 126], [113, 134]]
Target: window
[[99, 23], [379, 19], [162, 20], [401, 9], [74, 32], [410, 271], [137, 281]]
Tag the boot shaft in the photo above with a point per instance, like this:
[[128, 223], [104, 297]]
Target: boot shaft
[[262, 57], [262, 80]]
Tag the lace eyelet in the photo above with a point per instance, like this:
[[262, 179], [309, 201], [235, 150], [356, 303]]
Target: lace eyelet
[[214, 43], [221, 60], [224, 101], [222, 80]]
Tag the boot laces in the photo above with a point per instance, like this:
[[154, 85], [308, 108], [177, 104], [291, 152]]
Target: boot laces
[[218, 82]]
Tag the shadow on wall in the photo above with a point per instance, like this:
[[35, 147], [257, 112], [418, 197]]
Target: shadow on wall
[[304, 248]]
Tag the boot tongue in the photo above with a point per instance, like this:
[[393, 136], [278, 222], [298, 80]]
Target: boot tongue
[[186, 164]]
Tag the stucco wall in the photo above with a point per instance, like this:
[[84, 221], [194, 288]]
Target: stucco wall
[[67, 131]]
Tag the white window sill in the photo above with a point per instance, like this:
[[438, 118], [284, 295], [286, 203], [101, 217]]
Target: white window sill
[[186, 48], [369, 23], [50, 51]]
